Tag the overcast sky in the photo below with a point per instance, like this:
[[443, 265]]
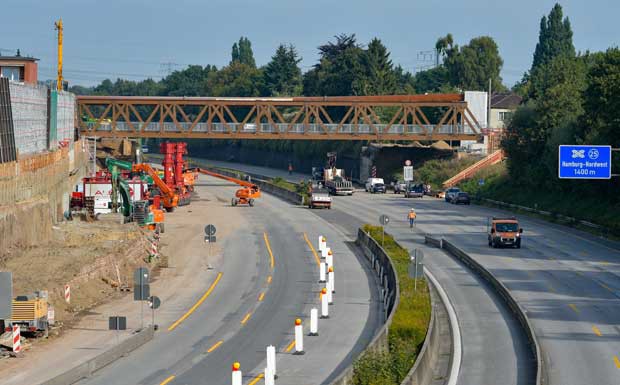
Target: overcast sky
[[135, 39]]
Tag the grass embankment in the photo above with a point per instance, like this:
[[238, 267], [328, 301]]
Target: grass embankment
[[438, 171], [408, 328]]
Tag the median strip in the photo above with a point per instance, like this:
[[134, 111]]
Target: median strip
[[200, 301]]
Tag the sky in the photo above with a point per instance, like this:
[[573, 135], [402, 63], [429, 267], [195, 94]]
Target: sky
[[137, 39]]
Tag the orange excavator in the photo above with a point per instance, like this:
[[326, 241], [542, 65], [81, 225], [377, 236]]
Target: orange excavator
[[245, 195], [169, 198]]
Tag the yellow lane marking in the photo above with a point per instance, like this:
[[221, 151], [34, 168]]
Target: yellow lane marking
[[167, 380], [597, 331], [256, 379], [269, 280], [215, 346], [261, 296], [606, 287], [269, 249], [200, 301], [605, 263], [246, 318], [617, 361], [552, 289], [572, 306], [290, 346], [316, 256]]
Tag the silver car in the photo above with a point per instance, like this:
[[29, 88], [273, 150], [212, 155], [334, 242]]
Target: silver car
[[400, 187]]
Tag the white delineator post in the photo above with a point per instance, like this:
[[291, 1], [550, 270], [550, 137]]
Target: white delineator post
[[17, 343], [269, 377], [237, 376], [330, 279], [324, 304], [67, 293], [299, 337], [329, 258], [323, 243], [314, 322], [320, 243], [322, 270], [271, 359], [330, 295]]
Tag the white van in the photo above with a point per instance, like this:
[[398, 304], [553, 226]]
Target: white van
[[371, 182]]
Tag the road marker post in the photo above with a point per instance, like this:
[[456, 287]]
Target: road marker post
[[321, 242], [269, 377], [330, 295], [314, 322], [67, 294], [237, 376], [299, 338], [329, 258], [17, 339], [271, 360], [322, 268], [330, 280], [324, 304]]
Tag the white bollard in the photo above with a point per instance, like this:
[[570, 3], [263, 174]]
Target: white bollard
[[320, 243], [299, 337], [324, 253], [322, 269], [271, 359], [329, 258], [330, 294], [314, 322], [330, 279], [324, 304], [237, 376], [17, 339], [324, 243], [269, 377]]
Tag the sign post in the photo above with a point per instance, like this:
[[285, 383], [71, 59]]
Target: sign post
[[384, 220], [408, 171], [154, 303], [141, 289], [210, 237], [584, 162]]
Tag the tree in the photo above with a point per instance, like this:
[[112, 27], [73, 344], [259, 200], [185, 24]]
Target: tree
[[282, 73], [379, 77], [242, 52], [432, 80], [235, 53], [471, 67], [191, 81], [237, 79], [555, 38]]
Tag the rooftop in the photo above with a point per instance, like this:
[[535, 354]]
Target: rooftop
[[505, 100], [17, 58]]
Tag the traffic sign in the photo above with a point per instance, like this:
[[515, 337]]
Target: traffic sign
[[384, 220], [117, 323], [154, 302], [584, 162], [408, 173], [6, 294], [210, 230]]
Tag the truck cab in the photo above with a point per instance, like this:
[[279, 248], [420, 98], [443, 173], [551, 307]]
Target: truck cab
[[319, 198], [505, 232]]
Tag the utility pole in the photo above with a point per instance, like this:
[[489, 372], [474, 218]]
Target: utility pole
[[58, 26]]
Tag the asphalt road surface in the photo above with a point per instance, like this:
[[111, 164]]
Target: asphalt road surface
[[253, 301], [567, 281]]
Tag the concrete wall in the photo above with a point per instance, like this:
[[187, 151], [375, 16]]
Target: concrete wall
[[29, 105], [65, 116]]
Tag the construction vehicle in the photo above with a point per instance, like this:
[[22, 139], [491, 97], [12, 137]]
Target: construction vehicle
[[333, 178], [174, 176], [319, 197], [29, 313], [245, 195], [504, 232]]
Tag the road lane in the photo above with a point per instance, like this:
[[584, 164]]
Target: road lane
[[254, 305]]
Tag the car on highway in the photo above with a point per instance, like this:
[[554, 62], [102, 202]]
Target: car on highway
[[415, 191], [461, 198], [371, 182], [400, 187], [451, 192], [505, 232], [378, 188], [319, 198]]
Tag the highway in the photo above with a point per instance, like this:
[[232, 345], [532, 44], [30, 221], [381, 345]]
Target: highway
[[568, 282], [265, 279]]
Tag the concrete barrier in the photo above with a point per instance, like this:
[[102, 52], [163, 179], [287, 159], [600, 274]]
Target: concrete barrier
[[504, 293], [87, 368]]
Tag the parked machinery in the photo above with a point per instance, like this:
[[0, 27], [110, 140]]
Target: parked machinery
[[29, 313], [245, 195], [173, 165]]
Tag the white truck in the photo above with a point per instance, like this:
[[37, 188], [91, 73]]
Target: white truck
[[319, 198], [336, 182]]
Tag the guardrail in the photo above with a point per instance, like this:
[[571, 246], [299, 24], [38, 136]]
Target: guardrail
[[504, 293], [87, 368]]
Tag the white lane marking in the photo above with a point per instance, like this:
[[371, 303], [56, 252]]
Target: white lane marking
[[456, 331]]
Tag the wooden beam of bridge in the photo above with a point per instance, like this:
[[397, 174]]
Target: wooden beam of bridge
[[374, 118]]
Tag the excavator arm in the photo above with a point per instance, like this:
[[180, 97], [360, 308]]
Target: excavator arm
[[169, 197], [247, 194]]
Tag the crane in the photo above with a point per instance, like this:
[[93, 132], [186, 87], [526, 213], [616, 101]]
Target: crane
[[245, 195], [59, 27]]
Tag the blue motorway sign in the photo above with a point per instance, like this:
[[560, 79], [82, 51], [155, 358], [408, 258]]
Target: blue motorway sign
[[584, 162]]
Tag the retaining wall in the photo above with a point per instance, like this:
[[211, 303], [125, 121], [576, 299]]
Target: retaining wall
[[87, 368], [29, 106]]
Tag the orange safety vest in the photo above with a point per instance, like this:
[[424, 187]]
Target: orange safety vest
[[412, 215]]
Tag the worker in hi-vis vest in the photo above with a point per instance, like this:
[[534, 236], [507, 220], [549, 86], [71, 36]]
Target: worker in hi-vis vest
[[411, 216]]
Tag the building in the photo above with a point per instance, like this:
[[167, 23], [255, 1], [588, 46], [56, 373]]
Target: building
[[503, 105], [19, 68]]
